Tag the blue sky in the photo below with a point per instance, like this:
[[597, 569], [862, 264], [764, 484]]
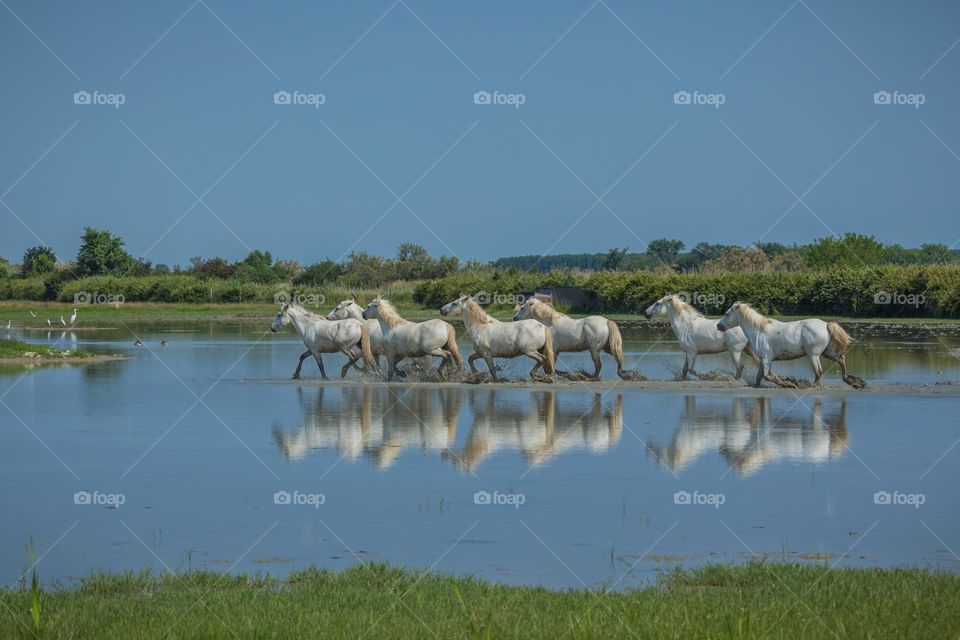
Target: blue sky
[[597, 155]]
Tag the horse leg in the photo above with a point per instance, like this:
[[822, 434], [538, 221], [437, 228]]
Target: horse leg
[[817, 369], [323, 373], [764, 365], [737, 358], [489, 360], [537, 361], [841, 360], [693, 360], [303, 356], [595, 355], [352, 358], [686, 366], [475, 356], [391, 366]]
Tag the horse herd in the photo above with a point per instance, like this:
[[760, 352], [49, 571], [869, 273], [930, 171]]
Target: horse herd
[[540, 332]]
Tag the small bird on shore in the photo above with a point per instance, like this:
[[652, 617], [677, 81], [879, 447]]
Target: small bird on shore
[[138, 343], [163, 342]]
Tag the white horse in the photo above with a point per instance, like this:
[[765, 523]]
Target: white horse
[[774, 340], [698, 334], [593, 333], [350, 309], [492, 338], [405, 339], [326, 336]]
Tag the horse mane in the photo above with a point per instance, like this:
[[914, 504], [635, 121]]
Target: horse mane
[[679, 306], [306, 312], [546, 309], [389, 313], [476, 312], [753, 317]]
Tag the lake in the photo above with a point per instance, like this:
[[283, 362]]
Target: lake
[[202, 454]]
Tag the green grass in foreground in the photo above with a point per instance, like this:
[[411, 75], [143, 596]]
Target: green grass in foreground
[[17, 349], [756, 600]]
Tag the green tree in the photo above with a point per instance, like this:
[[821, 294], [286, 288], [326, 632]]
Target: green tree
[[613, 260], [256, 267], [853, 250], [102, 254], [319, 274], [665, 250], [38, 261]]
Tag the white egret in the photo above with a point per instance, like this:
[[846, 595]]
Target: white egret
[[73, 318]]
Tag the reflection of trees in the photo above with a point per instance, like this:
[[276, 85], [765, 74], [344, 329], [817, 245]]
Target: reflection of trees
[[541, 430], [749, 435]]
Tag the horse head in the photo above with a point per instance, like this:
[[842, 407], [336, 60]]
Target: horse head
[[282, 318]]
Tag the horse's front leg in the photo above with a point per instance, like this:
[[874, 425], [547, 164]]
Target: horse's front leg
[[475, 356], [597, 364], [737, 358], [761, 373], [493, 370], [306, 354]]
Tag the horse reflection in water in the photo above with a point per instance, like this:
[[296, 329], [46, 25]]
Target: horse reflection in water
[[541, 429], [749, 436], [380, 422], [377, 422]]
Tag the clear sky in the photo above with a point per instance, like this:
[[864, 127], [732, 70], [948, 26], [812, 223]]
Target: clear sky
[[199, 160]]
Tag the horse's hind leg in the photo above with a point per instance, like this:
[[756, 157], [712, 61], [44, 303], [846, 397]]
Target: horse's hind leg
[[761, 373], [323, 373], [493, 370], [352, 358], [303, 356], [686, 366], [853, 381], [537, 361]]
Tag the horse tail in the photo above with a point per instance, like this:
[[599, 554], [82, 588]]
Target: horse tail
[[365, 349], [548, 355], [750, 352], [615, 344], [839, 339], [452, 346]]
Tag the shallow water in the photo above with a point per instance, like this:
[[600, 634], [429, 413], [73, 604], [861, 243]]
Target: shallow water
[[557, 487]]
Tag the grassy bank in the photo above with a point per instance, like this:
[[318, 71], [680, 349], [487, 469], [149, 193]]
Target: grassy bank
[[14, 349], [756, 600]]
